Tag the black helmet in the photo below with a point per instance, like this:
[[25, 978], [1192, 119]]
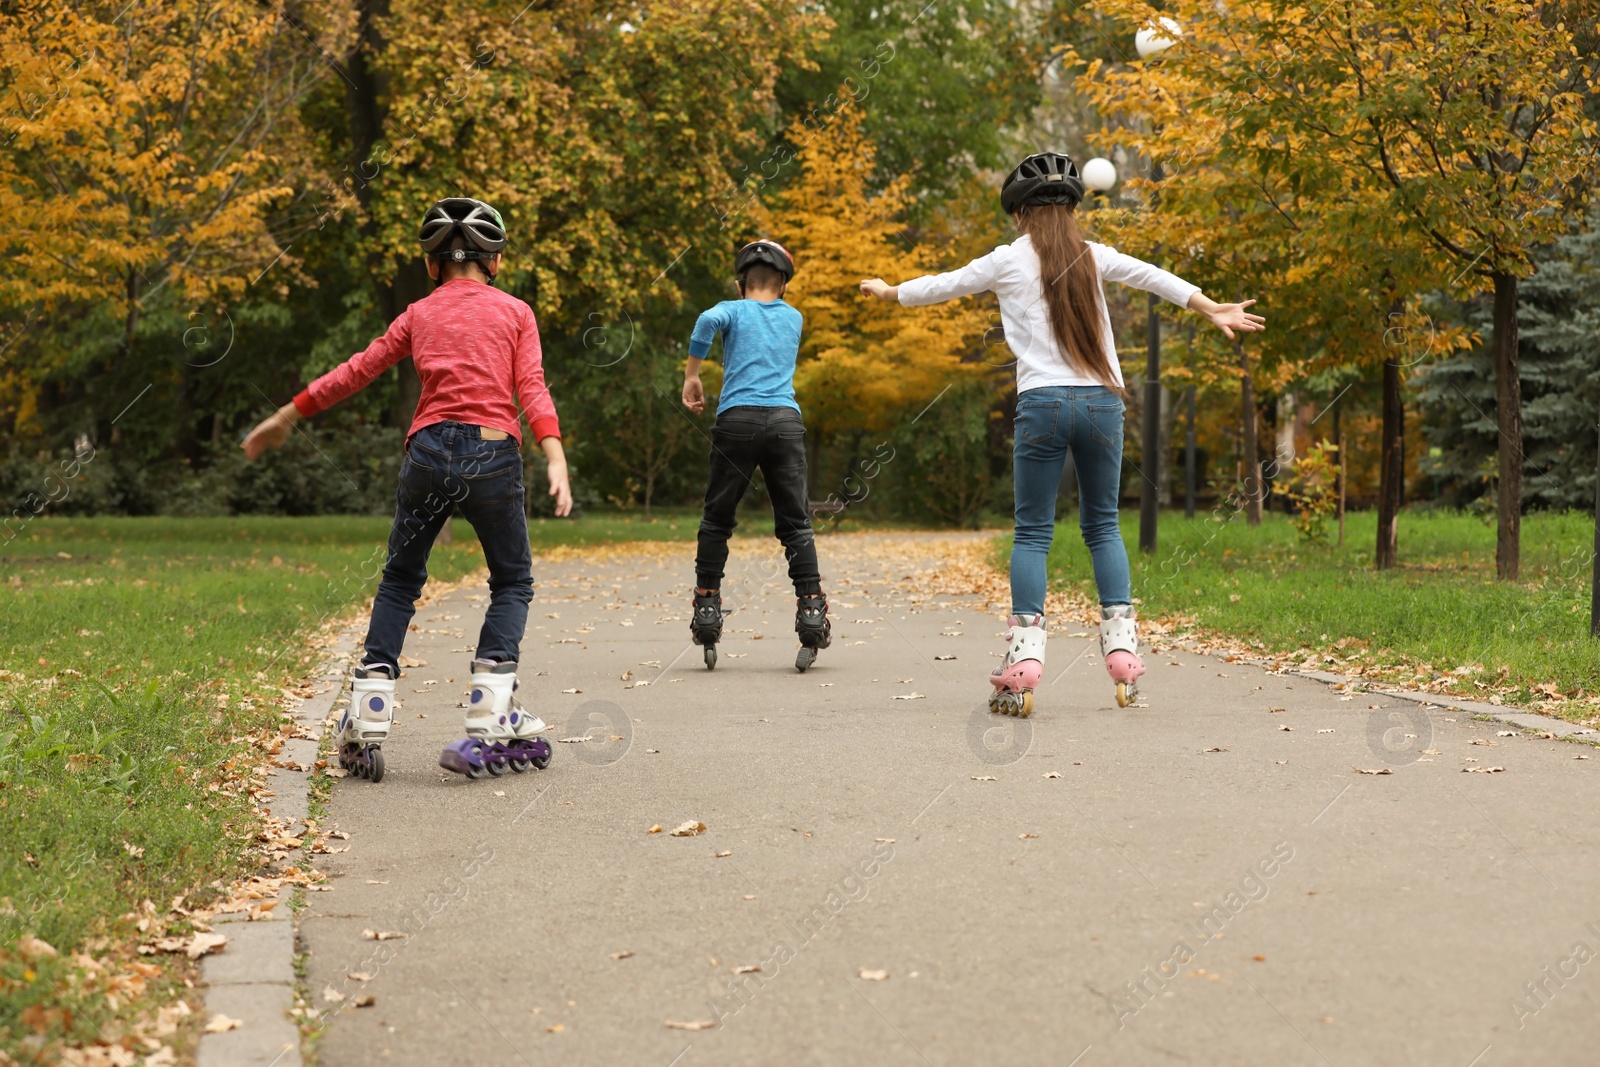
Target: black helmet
[[461, 228], [1042, 178], [765, 253]]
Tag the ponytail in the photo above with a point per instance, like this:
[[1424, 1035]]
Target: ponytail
[[1071, 285]]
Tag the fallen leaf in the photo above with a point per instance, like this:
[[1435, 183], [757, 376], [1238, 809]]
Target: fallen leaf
[[32, 948], [910, 696], [1286, 728], [1431, 752], [982, 777], [1026, 837], [555, 1028], [656, 829], [381, 935], [627, 675], [365, 1000], [693, 1024], [572, 690], [871, 976], [331, 995], [1380, 770], [375, 881], [1329, 730], [1482, 770], [1275, 710], [748, 896], [1484, 741], [1052, 774], [1506, 733], [884, 840], [203, 943], [625, 954], [946, 657], [724, 853], [1217, 748], [1259, 959], [360, 976], [749, 968], [1280, 762], [689, 829], [221, 1024], [571, 740]]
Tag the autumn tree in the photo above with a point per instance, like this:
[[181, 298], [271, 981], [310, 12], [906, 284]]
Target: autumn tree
[[147, 148], [1461, 126], [861, 361]]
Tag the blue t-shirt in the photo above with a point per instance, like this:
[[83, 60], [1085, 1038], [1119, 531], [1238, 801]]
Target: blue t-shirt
[[760, 343]]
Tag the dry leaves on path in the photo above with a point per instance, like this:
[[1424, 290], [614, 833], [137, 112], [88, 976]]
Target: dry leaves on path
[[689, 829], [1375, 770], [693, 1024], [868, 975], [221, 1024]]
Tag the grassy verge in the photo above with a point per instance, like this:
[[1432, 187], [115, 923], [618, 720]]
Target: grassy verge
[[1439, 620], [143, 663]]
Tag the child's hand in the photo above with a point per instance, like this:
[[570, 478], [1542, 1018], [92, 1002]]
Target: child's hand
[[879, 288], [1231, 317], [694, 395], [555, 459], [556, 471], [272, 432]]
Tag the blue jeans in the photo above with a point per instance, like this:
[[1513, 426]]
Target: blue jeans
[[1050, 421], [448, 468]]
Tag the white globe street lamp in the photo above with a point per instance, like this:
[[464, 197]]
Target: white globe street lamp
[[1099, 174], [1158, 38]]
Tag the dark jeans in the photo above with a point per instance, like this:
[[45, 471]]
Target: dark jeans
[[773, 439], [448, 468]]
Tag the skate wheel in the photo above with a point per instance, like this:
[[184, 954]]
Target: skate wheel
[[497, 765], [520, 765], [804, 658], [541, 762], [375, 763], [1025, 708], [1125, 694], [711, 658]]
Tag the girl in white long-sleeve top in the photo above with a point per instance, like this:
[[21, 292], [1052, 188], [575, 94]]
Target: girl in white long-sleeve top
[[1069, 397]]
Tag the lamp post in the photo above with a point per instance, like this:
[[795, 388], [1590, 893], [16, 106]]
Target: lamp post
[[1147, 42]]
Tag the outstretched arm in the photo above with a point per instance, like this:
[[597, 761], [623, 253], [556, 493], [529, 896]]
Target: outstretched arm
[[979, 276], [272, 432], [1228, 317]]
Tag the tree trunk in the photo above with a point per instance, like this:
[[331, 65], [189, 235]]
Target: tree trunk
[[1150, 441], [1391, 470], [1508, 413], [1188, 454], [1338, 437], [410, 284], [1247, 426], [1169, 423]]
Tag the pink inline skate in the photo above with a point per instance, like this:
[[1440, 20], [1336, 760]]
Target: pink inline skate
[[1015, 679], [1119, 645]]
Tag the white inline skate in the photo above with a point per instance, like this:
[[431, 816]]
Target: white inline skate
[[502, 735], [1018, 676], [366, 721], [1119, 646]]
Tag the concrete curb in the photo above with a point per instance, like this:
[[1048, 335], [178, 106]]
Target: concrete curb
[[252, 979], [1526, 720]]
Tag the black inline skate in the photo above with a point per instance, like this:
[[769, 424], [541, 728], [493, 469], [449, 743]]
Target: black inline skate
[[815, 630], [706, 626]]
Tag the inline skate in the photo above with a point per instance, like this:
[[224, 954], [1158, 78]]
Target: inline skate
[[502, 735], [815, 629], [705, 628], [366, 721], [1018, 675], [1119, 646]]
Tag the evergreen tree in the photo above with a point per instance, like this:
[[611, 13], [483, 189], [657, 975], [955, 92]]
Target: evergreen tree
[[1559, 350]]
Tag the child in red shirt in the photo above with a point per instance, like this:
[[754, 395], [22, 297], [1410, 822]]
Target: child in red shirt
[[477, 353]]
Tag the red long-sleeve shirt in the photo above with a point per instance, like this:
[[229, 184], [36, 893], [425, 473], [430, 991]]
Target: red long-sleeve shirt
[[477, 353]]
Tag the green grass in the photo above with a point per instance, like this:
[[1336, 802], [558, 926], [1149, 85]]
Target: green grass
[[137, 657], [1439, 611]]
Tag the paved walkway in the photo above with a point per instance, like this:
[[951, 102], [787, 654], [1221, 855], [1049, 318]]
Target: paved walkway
[[889, 875]]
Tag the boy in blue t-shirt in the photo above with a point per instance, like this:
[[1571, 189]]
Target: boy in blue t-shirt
[[758, 425]]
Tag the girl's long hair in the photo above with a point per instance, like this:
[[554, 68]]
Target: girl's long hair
[[1071, 288]]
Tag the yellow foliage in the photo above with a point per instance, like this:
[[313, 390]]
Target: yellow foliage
[[862, 361]]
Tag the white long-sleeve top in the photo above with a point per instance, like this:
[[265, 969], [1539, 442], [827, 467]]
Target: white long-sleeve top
[[1011, 272]]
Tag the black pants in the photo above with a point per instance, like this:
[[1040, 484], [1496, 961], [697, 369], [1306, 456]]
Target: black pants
[[773, 439]]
